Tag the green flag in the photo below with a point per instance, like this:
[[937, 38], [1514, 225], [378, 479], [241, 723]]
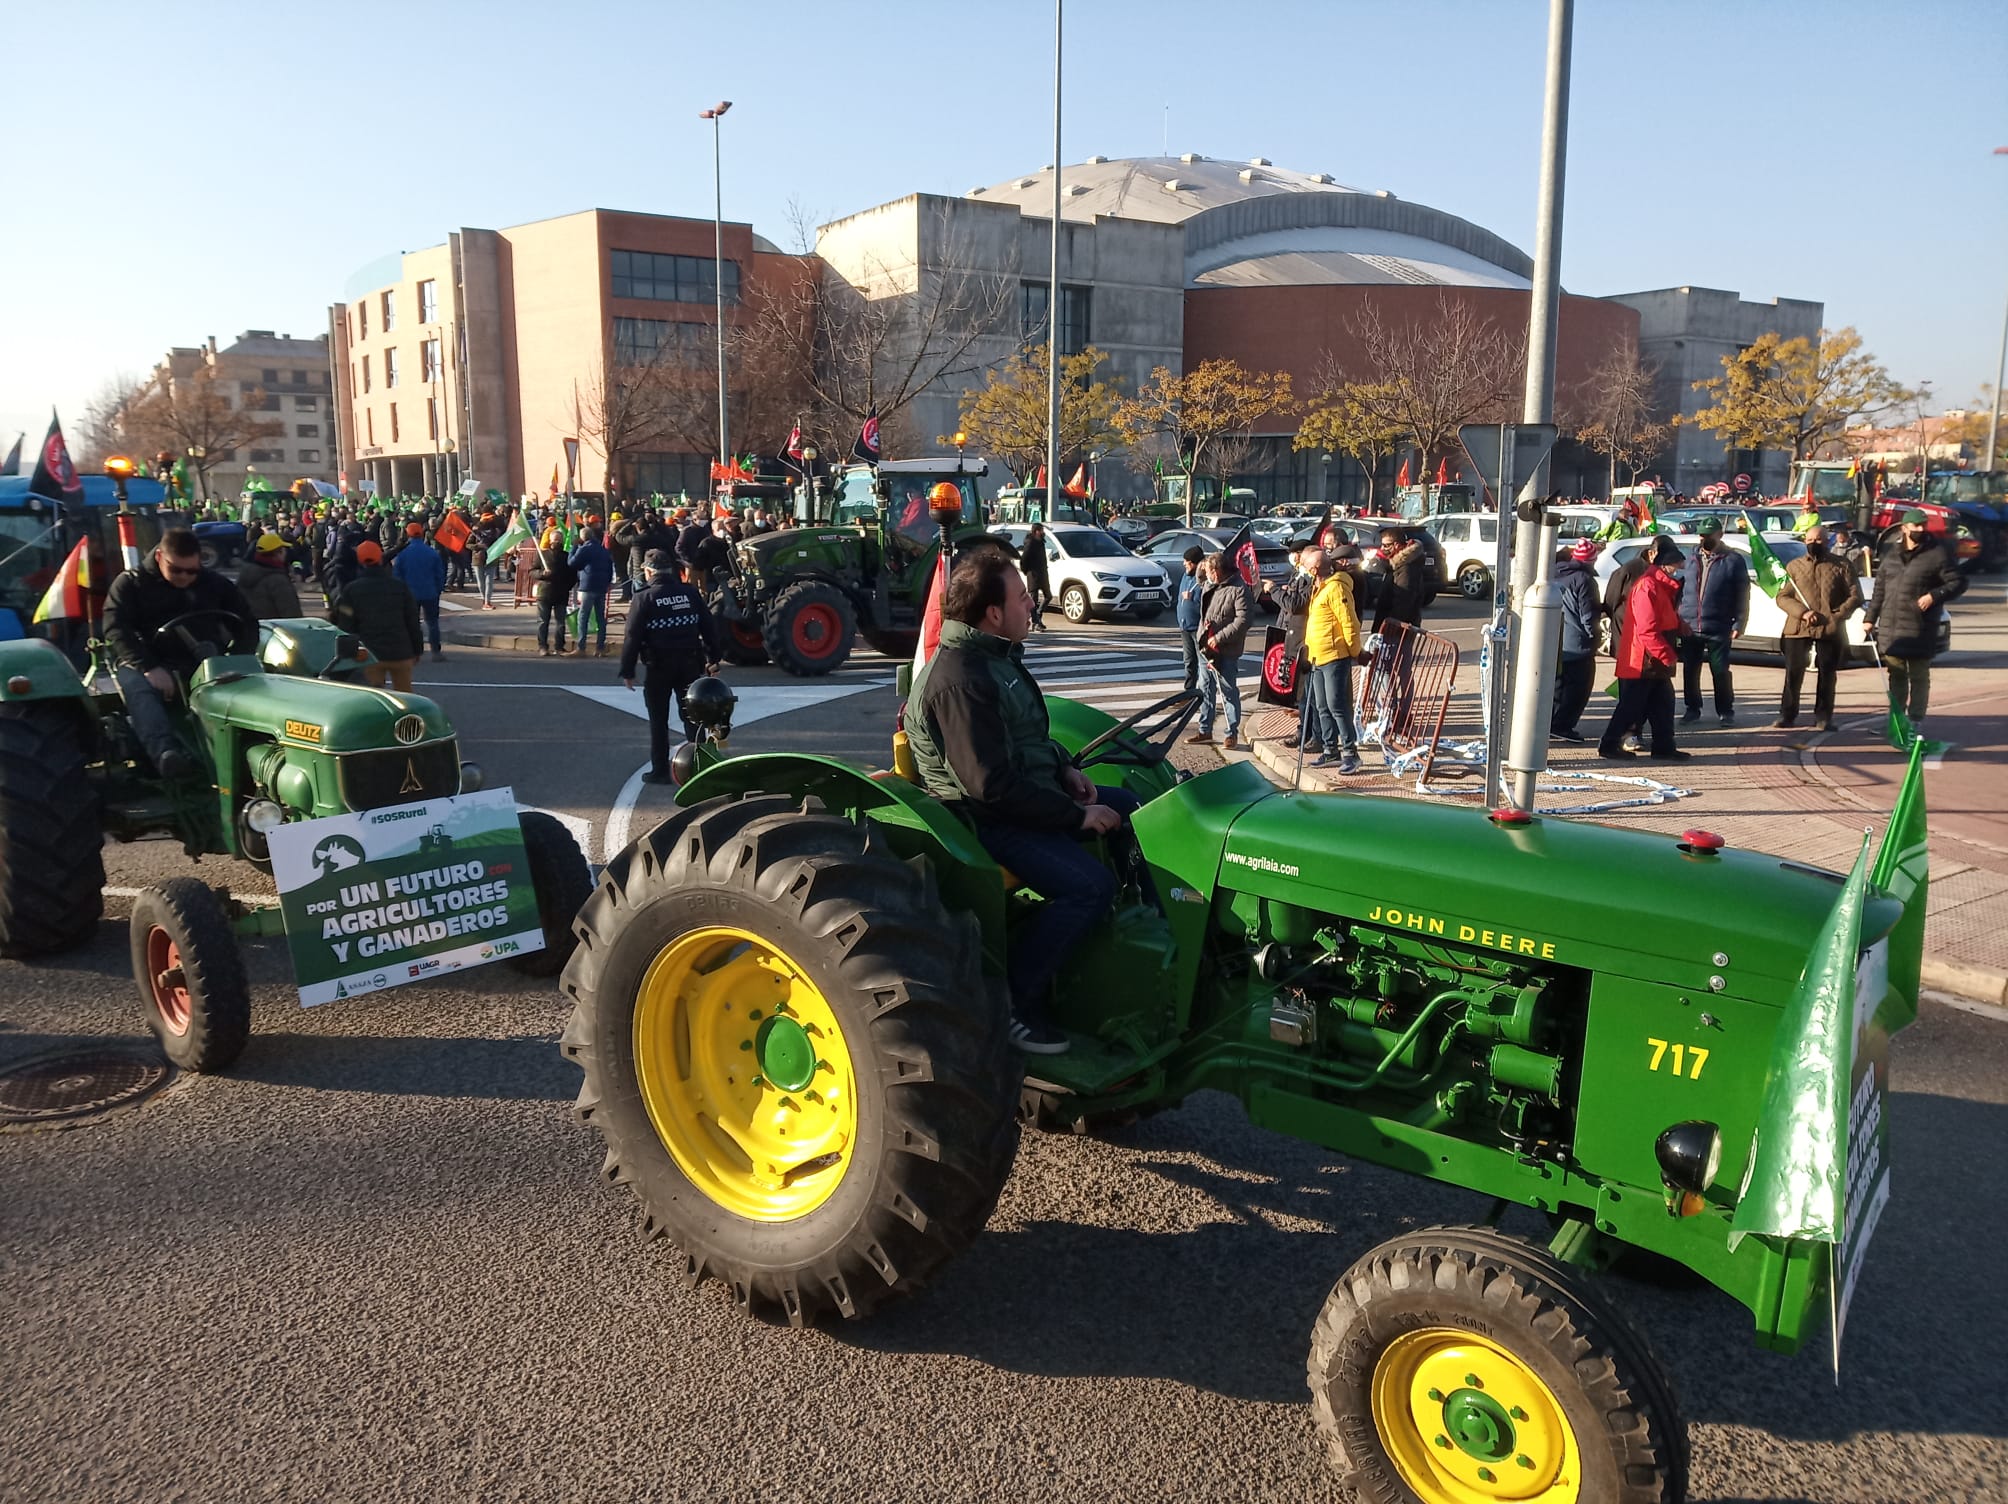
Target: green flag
[[1902, 735], [1903, 870], [1795, 1184], [516, 534], [1764, 563]]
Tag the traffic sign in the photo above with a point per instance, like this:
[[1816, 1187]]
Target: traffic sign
[[1485, 443]]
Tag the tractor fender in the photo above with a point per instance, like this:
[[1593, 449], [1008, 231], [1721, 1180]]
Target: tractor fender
[[32, 668], [916, 823]]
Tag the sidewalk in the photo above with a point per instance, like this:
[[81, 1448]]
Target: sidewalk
[[1808, 797]]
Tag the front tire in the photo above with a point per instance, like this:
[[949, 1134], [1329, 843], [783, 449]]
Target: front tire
[[810, 629], [793, 1056], [190, 975], [1074, 605], [897, 643], [1569, 1403], [52, 869], [563, 880], [1474, 582]]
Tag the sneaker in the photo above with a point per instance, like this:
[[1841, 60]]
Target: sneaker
[[1566, 736], [1037, 1037], [1349, 763], [654, 777], [543, 652], [1325, 760], [1623, 754], [1632, 743], [1693, 714], [1674, 756], [1783, 723], [1727, 720], [1313, 749]]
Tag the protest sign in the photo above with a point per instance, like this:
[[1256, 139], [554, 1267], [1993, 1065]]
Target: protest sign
[[383, 897]]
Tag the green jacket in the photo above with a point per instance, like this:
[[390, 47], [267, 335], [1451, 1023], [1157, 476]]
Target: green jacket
[[976, 724]]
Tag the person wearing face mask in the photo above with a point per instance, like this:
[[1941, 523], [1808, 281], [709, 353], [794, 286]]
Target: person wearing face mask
[[1820, 594], [1915, 577]]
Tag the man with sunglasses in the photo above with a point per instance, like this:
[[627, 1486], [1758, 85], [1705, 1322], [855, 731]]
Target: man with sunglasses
[[150, 666]]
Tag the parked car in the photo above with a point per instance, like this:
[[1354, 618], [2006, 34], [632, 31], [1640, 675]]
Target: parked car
[[1134, 532], [1272, 561], [1094, 575], [1767, 619]]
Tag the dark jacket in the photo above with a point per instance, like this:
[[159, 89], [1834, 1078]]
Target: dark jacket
[[635, 538], [1715, 592], [1581, 610], [558, 578], [1903, 575], [594, 565], [1223, 619], [1032, 564], [976, 722], [424, 573], [668, 628], [1401, 597], [1191, 600], [268, 590], [710, 553], [1822, 594], [143, 599], [380, 609], [688, 537]]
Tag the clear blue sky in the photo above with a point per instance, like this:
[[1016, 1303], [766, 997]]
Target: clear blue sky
[[256, 155]]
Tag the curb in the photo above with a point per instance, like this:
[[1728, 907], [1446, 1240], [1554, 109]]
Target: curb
[[1985, 985]]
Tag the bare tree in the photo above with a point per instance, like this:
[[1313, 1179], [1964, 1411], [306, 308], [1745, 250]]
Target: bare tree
[[1613, 412], [192, 415], [624, 409], [1455, 368], [102, 430]]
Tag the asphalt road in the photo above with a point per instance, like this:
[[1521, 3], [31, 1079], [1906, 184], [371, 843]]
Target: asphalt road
[[375, 1261]]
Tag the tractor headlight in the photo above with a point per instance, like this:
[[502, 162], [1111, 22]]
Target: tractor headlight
[[264, 816], [1689, 1154], [470, 778]]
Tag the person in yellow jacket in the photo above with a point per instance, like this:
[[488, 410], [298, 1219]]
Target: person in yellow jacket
[[1332, 642]]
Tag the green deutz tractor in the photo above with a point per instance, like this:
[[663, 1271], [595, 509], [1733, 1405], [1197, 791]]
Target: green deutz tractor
[[283, 735], [791, 1016], [857, 563]]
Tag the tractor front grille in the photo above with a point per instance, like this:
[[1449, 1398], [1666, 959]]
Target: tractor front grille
[[400, 775]]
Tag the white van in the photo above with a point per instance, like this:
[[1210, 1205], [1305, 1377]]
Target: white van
[[1470, 542]]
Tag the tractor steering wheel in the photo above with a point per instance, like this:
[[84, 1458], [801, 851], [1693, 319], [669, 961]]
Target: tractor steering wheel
[[1146, 748], [179, 629]]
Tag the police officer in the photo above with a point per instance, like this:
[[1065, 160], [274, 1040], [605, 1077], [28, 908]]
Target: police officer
[[668, 629]]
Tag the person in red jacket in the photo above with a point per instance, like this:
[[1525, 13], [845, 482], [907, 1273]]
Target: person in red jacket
[[1647, 655]]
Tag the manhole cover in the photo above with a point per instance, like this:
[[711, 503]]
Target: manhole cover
[[75, 1085]]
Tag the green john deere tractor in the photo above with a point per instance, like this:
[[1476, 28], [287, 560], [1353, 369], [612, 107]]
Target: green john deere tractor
[[857, 563], [791, 1016], [283, 735]]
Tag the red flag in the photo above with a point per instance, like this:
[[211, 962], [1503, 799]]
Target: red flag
[[65, 597], [1443, 471], [1401, 475], [930, 620], [1078, 486], [794, 446], [452, 533]]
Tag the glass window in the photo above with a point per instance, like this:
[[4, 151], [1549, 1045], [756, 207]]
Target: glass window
[[666, 474], [305, 404], [363, 319], [299, 378], [1093, 543], [366, 373], [390, 367], [428, 359], [640, 342], [369, 417], [390, 310], [393, 422], [671, 279], [428, 302], [310, 456], [268, 402], [306, 430], [432, 417], [1074, 310], [270, 378]]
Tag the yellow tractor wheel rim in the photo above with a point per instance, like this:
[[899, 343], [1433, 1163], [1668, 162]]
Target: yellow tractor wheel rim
[[1466, 1422], [745, 1074]]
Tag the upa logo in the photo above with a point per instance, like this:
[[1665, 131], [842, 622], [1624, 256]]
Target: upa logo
[[338, 853]]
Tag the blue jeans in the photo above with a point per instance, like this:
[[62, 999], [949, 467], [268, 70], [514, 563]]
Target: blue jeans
[[151, 720], [1077, 887], [592, 606], [428, 613], [484, 576], [1331, 698], [1222, 678]]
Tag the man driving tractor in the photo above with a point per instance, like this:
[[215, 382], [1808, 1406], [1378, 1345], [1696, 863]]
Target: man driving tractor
[[149, 664], [976, 721]]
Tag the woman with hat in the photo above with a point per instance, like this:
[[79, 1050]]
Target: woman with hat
[[266, 582]]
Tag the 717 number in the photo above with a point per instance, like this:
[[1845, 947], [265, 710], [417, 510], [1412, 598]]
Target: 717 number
[[1687, 1060]]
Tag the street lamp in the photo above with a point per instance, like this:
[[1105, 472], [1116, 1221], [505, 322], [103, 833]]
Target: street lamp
[[714, 115], [2000, 368], [809, 481], [1094, 476], [197, 453]]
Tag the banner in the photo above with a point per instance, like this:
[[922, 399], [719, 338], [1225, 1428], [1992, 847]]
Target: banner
[[468, 487], [390, 896]]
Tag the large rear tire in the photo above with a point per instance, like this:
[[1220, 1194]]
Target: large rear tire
[[741, 643], [1460, 1363], [792, 1054], [810, 629], [190, 975], [52, 869], [563, 880]]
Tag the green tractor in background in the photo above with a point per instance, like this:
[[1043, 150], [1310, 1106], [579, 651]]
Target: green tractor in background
[[791, 1016], [281, 736], [857, 563]]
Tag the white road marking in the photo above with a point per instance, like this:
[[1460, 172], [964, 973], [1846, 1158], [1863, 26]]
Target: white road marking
[[621, 816], [757, 702], [580, 827]]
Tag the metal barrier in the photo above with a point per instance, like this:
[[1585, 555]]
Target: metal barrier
[[1401, 696]]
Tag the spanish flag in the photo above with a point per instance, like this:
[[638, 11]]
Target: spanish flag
[[66, 597]]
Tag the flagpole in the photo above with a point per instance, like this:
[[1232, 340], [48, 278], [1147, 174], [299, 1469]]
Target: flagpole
[[1053, 286]]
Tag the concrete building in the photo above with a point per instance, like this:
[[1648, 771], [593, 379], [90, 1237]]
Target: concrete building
[[478, 358], [1685, 332], [289, 380]]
